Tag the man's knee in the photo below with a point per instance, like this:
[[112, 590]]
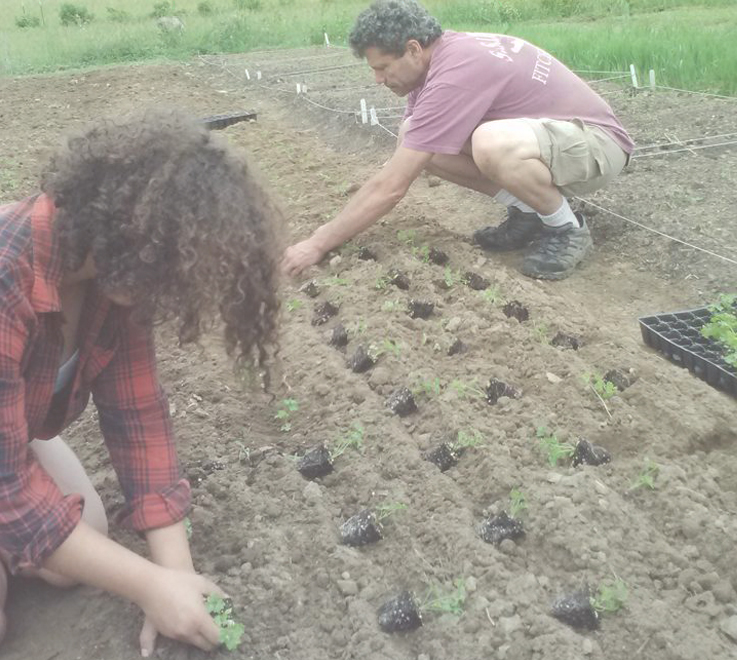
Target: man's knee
[[497, 145]]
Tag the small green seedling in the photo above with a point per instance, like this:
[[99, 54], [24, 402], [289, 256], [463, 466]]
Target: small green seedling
[[286, 408], [390, 346], [390, 305], [722, 326], [294, 304], [221, 611], [244, 453], [467, 390], [357, 327], [440, 602], [517, 503], [450, 278], [428, 387], [468, 439], [611, 596], [604, 388], [407, 236], [335, 281], [492, 295], [384, 511], [352, 440], [382, 282], [646, 478], [422, 253], [540, 330], [553, 448]]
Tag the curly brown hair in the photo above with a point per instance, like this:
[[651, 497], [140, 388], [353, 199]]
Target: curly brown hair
[[174, 217]]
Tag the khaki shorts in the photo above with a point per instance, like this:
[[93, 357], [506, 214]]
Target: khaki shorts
[[582, 158]]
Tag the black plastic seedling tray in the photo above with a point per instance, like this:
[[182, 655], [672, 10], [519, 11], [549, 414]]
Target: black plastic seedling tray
[[678, 336], [219, 122]]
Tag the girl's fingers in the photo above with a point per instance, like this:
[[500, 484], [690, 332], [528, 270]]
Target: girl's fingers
[[147, 638]]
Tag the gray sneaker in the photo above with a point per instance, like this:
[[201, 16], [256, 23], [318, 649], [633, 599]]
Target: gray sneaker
[[558, 251], [515, 232]]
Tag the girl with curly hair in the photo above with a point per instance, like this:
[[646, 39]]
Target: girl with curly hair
[[142, 219]]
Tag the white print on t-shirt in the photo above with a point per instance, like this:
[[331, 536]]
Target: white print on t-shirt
[[542, 67], [494, 43]]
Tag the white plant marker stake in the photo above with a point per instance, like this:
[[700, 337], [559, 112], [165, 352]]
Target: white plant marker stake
[[652, 78], [258, 75], [248, 75], [304, 88], [374, 118], [299, 88], [327, 41], [364, 112], [633, 73]]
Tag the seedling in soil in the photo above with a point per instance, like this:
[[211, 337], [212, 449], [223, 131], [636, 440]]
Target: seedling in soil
[[399, 280], [722, 326], [352, 440], [286, 408], [576, 610], [587, 453], [515, 309], [562, 340], [365, 527], [428, 388], [517, 503], [407, 236], [401, 402], [498, 528], [467, 390], [338, 336], [450, 278], [475, 281], [496, 389], [221, 611], [361, 361], [357, 327], [384, 511], [492, 295], [468, 439], [553, 448], [604, 388], [438, 257], [646, 478], [382, 282], [389, 305], [422, 253], [293, 305], [540, 330], [418, 309], [335, 281], [323, 313], [611, 596], [315, 463], [404, 612], [445, 603], [444, 456], [390, 346]]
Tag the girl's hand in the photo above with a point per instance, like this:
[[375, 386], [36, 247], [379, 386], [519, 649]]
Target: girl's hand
[[174, 606]]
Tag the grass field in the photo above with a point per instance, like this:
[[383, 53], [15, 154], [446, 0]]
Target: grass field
[[688, 44]]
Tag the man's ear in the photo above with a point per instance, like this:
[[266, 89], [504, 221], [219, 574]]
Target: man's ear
[[414, 47]]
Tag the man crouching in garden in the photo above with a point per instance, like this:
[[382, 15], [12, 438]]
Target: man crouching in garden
[[489, 112]]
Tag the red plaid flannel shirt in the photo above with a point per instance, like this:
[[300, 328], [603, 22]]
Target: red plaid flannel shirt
[[116, 365]]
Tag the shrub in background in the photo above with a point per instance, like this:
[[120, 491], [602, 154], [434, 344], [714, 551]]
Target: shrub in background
[[205, 8], [26, 21], [118, 15], [70, 14]]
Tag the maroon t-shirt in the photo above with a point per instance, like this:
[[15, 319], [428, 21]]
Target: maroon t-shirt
[[476, 77]]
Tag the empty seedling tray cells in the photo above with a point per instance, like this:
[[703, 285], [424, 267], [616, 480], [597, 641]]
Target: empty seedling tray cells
[[678, 336]]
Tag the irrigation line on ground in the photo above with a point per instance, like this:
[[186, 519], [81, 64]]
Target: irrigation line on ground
[[689, 141], [380, 125], [624, 73], [299, 59], [660, 233], [693, 148], [690, 91], [310, 72], [598, 80]]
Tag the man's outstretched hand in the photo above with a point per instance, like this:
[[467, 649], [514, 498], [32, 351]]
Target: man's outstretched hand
[[300, 256]]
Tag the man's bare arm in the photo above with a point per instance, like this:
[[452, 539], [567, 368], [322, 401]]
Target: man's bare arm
[[379, 195]]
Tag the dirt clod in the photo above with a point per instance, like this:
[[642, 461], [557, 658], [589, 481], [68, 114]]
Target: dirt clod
[[575, 609], [497, 389], [456, 347], [366, 254], [401, 402], [475, 281], [515, 309], [619, 378], [361, 361], [562, 340], [338, 336], [315, 463], [361, 529], [400, 613], [323, 313], [399, 279], [418, 309], [497, 528], [437, 257], [310, 289], [444, 456], [587, 453]]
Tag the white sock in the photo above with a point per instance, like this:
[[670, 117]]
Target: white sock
[[508, 199], [563, 216]]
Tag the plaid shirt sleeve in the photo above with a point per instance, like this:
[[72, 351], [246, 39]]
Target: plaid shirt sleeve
[[135, 422], [35, 518]]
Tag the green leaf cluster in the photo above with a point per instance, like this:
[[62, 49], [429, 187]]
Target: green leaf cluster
[[553, 448], [611, 596], [722, 327], [221, 611]]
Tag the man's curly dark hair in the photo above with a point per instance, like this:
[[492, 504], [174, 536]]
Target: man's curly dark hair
[[389, 24], [174, 217]]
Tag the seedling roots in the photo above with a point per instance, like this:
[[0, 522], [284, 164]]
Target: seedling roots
[[323, 313], [575, 609], [419, 309], [400, 613], [361, 361], [361, 529], [401, 402], [589, 454], [316, 462], [497, 528], [515, 309]]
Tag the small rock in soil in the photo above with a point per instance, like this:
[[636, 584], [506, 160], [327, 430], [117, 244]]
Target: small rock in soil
[[361, 361], [475, 281], [401, 402], [576, 610], [497, 528], [497, 389], [418, 309], [310, 289], [361, 529], [618, 378], [444, 456], [400, 613], [433, 181], [315, 463], [562, 340], [587, 453], [399, 279], [515, 309], [437, 257], [366, 254], [338, 336], [323, 312], [456, 347]]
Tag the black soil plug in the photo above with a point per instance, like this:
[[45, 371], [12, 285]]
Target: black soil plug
[[361, 529], [400, 613], [562, 340], [618, 378], [576, 610], [589, 454], [339, 336], [310, 289], [361, 361], [456, 347], [323, 313], [399, 279], [366, 254], [515, 309], [475, 281], [419, 309], [437, 257], [315, 463], [444, 456], [401, 402], [497, 528], [497, 389]]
